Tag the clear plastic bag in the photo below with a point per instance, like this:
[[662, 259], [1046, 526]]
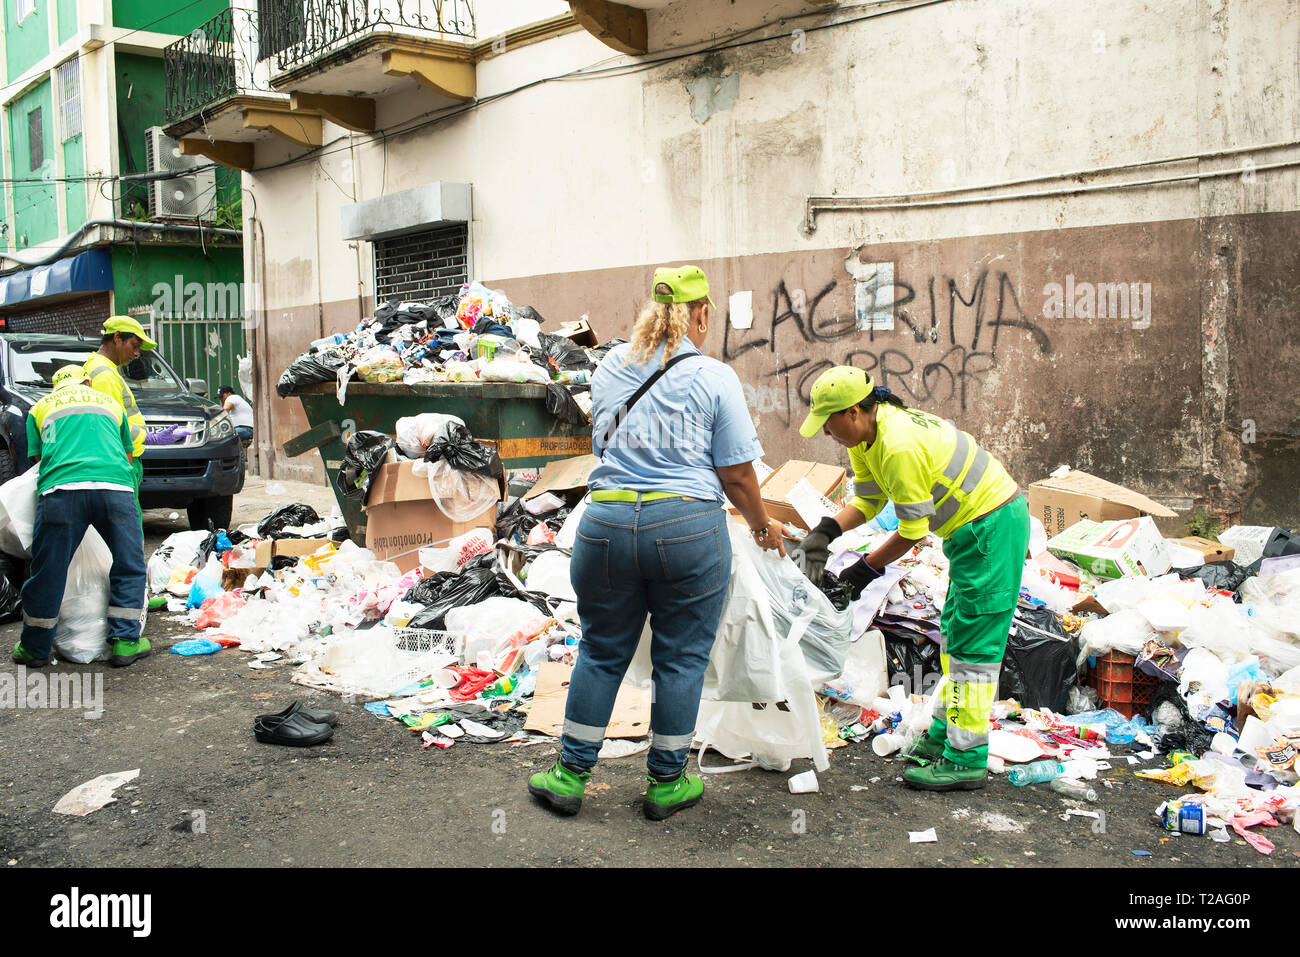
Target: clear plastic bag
[[82, 633], [462, 496]]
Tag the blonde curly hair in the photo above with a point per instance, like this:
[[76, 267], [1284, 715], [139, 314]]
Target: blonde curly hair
[[661, 322]]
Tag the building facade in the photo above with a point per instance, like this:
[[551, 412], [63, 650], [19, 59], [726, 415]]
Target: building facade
[[86, 233], [1071, 228]]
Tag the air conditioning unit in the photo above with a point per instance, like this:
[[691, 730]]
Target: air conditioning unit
[[192, 196]]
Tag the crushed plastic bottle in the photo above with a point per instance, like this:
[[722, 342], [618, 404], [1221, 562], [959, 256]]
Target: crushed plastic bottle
[[1073, 789], [1039, 772]]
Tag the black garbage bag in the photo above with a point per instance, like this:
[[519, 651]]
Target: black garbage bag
[[442, 309], [387, 310], [366, 451], [286, 516], [1226, 575], [462, 452], [309, 368], [528, 312], [1039, 666], [515, 523], [555, 520], [911, 662], [468, 587], [837, 590], [283, 561], [563, 354], [1183, 733], [560, 403], [597, 354]]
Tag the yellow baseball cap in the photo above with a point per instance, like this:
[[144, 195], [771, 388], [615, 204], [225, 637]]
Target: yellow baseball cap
[[129, 327], [835, 390], [687, 283], [68, 375]]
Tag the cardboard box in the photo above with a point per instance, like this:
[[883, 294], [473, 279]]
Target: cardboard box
[[297, 547], [1069, 496], [579, 333], [1113, 549], [1207, 551], [402, 517], [828, 480], [564, 475]]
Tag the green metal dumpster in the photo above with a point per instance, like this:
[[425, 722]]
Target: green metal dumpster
[[513, 415]]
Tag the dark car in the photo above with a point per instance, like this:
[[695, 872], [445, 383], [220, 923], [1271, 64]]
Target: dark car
[[201, 473]]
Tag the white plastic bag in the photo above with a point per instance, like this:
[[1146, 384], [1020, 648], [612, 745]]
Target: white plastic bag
[[799, 608], [488, 624], [459, 551], [415, 433], [178, 550], [549, 574], [512, 370], [82, 633], [745, 664], [18, 514]]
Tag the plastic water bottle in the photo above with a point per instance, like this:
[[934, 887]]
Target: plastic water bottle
[[1039, 772], [1072, 789]]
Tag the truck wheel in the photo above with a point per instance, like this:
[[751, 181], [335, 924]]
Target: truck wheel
[[217, 509], [8, 469]]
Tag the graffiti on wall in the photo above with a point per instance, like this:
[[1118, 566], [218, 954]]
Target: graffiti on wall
[[955, 331]]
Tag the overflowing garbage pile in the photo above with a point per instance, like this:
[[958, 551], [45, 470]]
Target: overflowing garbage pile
[[1187, 675], [476, 336]]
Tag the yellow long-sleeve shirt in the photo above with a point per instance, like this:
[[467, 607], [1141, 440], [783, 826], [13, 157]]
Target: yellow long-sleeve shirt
[[105, 377], [935, 474]]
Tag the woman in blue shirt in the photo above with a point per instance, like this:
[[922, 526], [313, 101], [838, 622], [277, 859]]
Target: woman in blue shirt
[[653, 539]]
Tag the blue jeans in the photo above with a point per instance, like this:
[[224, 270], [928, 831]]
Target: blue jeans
[[671, 559], [62, 518], [244, 432]]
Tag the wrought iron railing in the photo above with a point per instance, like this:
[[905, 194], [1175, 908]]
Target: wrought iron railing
[[215, 61], [297, 31]]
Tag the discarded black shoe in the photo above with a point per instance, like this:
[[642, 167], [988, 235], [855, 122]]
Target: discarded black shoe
[[320, 717], [291, 728]]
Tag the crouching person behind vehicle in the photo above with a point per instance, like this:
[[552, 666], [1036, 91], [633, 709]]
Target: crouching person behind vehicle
[[83, 443]]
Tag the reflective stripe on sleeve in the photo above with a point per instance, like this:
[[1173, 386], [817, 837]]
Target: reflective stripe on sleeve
[[866, 489], [916, 510]]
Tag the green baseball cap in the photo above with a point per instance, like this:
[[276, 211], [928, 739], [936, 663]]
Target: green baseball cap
[[835, 390], [129, 327], [687, 284], [68, 374]]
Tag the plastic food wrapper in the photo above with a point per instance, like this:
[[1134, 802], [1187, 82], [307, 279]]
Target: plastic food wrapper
[[380, 364], [201, 589], [366, 452]]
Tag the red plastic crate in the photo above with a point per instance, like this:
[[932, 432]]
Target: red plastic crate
[[1120, 685]]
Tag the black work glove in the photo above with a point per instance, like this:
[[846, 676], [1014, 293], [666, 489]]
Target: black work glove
[[814, 551], [858, 576]]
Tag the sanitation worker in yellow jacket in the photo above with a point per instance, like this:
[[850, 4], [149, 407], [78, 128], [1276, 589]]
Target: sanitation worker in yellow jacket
[[124, 340], [941, 483]]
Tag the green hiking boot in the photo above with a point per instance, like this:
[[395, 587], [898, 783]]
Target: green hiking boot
[[22, 656], [559, 787], [129, 652], [945, 776], [665, 798], [927, 747]]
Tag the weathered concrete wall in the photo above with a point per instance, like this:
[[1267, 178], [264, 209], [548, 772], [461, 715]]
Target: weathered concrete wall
[[582, 186]]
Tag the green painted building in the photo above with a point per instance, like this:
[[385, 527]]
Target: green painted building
[[80, 238]]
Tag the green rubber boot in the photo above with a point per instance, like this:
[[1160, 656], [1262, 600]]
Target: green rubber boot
[[928, 748], [945, 776], [560, 788], [663, 799], [22, 656], [129, 652]]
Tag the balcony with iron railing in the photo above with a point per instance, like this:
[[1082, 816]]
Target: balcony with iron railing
[[217, 84], [302, 31]]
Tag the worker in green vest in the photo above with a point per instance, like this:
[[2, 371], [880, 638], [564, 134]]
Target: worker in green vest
[[124, 340], [943, 484]]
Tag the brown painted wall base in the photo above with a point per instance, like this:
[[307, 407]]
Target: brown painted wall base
[[1193, 402]]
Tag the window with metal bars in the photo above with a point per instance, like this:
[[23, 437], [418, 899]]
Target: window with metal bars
[[70, 96], [423, 265]]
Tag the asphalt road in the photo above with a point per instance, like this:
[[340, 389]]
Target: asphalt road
[[372, 796]]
